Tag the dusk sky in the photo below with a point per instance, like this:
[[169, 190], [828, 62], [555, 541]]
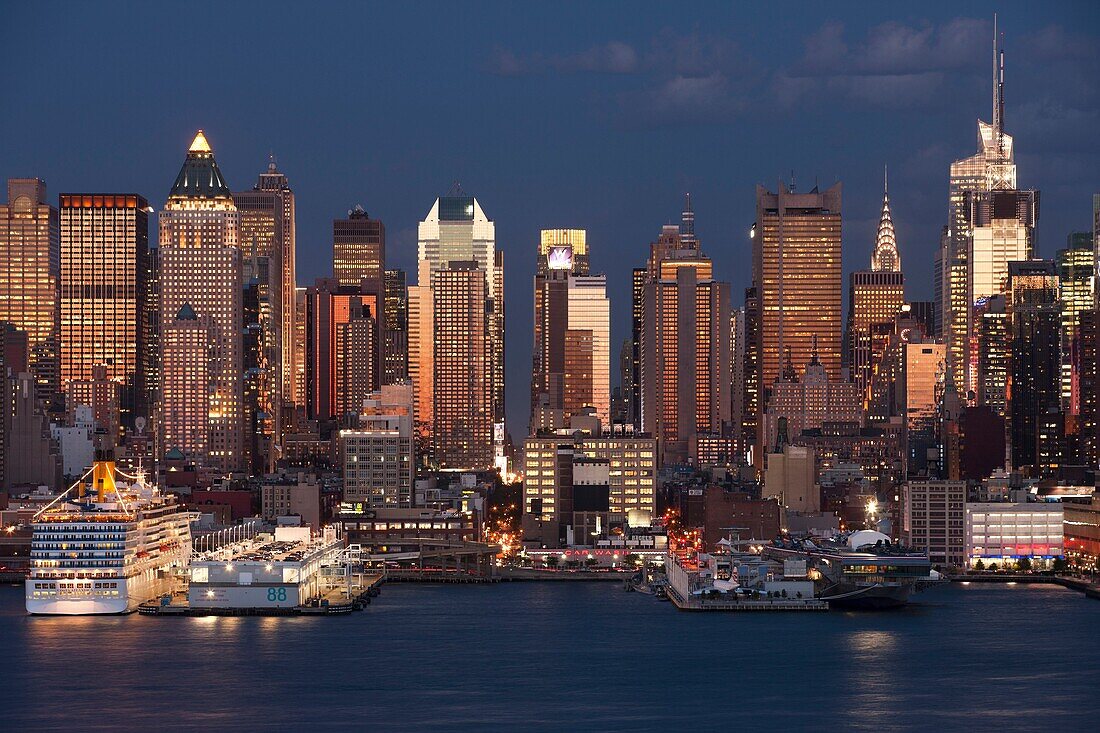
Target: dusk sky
[[595, 116]]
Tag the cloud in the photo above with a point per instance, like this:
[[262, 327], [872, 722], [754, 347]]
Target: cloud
[[613, 57], [894, 49]]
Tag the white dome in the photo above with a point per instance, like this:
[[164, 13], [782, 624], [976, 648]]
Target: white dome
[[865, 537]]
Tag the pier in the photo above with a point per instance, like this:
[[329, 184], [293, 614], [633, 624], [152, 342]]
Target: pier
[[1091, 590], [334, 601]]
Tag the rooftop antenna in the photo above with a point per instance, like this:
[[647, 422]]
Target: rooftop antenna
[[792, 181], [998, 87]]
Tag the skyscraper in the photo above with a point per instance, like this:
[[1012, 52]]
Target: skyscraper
[[358, 248], [1034, 372], [395, 367], [462, 420], [357, 340], [684, 346], [105, 295], [1075, 283], [331, 307], [797, 276], [268, 239], [188, 343], [200, 267], [992, 168], [29, 280], [572, 333], [456, 229], [875, 297]]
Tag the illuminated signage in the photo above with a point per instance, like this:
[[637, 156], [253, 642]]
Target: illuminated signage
[[560, 258]]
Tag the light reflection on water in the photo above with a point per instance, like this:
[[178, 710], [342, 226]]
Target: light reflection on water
[[534, 657]]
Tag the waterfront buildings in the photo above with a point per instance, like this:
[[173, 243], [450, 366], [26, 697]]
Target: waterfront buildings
[[933, 520], [1006, 532], [30, 278], [201, 277], [1081, 531], [105, 296], [577, 484]]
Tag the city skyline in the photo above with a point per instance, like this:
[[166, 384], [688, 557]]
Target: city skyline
[[394, 173]]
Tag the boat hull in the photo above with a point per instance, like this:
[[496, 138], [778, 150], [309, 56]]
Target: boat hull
[[872, 599], [132, 592]]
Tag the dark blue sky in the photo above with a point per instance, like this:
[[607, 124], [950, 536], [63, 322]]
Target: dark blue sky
[[558, 115]]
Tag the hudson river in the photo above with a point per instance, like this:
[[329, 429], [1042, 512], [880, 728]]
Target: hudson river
[[564, 657]]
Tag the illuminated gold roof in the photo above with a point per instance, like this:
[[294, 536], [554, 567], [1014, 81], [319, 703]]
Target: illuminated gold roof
[[199, 144]]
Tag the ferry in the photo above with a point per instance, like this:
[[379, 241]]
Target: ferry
[[108, 550], [860, 570]]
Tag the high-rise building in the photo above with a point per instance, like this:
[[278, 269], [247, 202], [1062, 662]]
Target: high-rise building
[[395, 358], [105, 295], [300, 348], [200, 267], [330, 306], [875, 297], [267, 240], [684, 346], [994, 354], [992, 168], [456, 229], [752, 402], [572, 334], [796, 270], [357, 340], [30, 278], [1075, 283], [1089, 416], [358, 248], [933, 520], [1033, 379], [461, 399], [1001, 226], [809, 402], [797, 277], [188, 343]]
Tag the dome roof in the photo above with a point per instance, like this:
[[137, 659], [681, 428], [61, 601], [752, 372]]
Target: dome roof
[[865, 537]]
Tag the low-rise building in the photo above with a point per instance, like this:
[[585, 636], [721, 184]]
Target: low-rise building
[[1005, 532], [1081, 531], [300, 495]]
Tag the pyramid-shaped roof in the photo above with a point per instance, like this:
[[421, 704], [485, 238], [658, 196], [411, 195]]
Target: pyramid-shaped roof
[[200, 177]]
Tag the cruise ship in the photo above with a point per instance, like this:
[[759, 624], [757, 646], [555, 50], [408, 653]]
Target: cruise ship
[[107, 550], [861, 570]]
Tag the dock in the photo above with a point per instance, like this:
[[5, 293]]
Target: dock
[[1091, 590], [699, 603], [333, 602]]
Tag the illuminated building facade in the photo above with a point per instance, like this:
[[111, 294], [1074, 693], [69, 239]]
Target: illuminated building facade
[[685, 347], [1035, 368], [395, 357], [268, 239], [378, 455], [567, 476], [994, 354], [105, 295], [200, 267], [810, 401], [572, 359], [1075, 295], [461, 401], [358, 248], [933, 516], [188, 342], [356, 342], [875, 297], [299, 348], [30, 278], [992, 168], [456, 229], [330, 306]]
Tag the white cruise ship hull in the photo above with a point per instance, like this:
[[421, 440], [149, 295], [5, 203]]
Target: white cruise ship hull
[[91, 601]]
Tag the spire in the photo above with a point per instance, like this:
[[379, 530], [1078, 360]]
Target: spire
[[998, 89], [885, 257], [687, 222], [199, 144]]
